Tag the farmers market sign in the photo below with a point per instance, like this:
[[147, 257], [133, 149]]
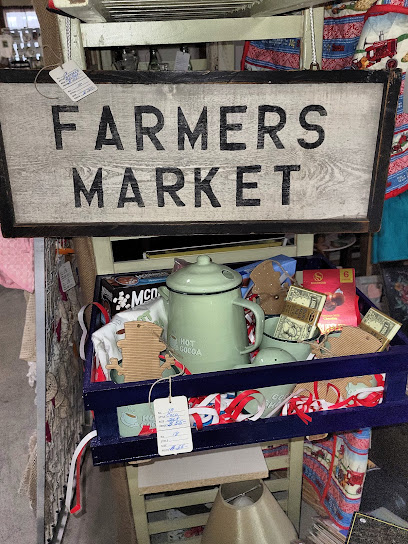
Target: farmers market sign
[[148, 153]]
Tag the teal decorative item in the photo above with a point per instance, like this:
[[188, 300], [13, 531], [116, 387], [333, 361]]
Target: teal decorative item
[[273, 395], [206, 317], [298, 350], [136, 419]]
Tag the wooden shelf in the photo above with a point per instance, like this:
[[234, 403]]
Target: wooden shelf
[[101, 11]]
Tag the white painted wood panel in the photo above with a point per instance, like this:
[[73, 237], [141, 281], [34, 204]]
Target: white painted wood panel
[[333, 181]]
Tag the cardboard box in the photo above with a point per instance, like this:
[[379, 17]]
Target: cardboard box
[[341, 306], [124, 291]]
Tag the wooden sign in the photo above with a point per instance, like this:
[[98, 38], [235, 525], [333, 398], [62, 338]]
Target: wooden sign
[[172, 153]]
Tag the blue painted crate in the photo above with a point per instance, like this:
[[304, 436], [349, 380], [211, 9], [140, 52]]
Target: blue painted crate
[[104, 398]]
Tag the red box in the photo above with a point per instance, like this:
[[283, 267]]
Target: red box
[[341, 306]]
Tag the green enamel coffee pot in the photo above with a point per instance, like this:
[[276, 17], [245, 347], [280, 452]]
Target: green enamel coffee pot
[[206, 317]]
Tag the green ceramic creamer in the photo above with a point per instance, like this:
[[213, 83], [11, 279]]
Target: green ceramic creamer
[[206, 317], [275, 394]]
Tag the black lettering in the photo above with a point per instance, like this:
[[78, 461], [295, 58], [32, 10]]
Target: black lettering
[[309, 126], [170, 189], [201, 129], [151, 132], [270, 129], [240, 200], [286, 169], [58, 126], [129, 179], [79, 188], [203, 185], [107, 119], [225, 127]]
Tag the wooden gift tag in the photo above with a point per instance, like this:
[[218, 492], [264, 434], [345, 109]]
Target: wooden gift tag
[[140, 352], [267, 285]]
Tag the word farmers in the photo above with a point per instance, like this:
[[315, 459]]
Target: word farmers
[[226, 128]]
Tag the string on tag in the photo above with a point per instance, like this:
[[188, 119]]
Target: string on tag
[[314, 64], [46, 68], [68, 36], [161, 380]]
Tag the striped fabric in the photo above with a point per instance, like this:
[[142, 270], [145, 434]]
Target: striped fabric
[[336, 469], [347, 34]]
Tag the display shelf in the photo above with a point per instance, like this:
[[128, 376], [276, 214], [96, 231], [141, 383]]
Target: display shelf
[[104, 398], [101, 11]]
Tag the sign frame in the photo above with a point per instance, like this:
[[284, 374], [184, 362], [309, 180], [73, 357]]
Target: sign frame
[[391, 81]]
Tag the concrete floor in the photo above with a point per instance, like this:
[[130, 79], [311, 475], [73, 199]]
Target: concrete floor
[[17, 423], [98, 521]]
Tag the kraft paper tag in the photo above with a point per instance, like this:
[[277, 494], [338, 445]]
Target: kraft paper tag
[[173, 426], [383, 339], [182, 61], [66, 277], [73, 81]]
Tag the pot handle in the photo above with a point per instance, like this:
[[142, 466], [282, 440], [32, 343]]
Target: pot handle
[[259, 322], [163, 292]]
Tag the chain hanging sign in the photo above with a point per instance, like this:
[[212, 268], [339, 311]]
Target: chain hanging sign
[[155, 154]]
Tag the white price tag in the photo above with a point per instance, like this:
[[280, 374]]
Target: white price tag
[[173, 426], [66, 277], [73, 81], [182, 60]]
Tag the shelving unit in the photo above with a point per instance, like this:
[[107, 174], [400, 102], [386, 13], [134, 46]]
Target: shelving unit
[[107, 23]]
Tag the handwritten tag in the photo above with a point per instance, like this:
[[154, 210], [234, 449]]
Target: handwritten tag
[[73, 81], [173, 426], [66, 277], [182, 61]]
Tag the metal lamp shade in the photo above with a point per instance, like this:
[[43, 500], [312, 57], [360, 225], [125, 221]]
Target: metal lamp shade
[[262, 522]]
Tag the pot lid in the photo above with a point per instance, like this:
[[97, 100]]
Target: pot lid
[[204, 277]]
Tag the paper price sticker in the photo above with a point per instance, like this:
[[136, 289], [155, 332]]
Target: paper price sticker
[[66, 277], [182, 61], [173, 426], [73, 81]]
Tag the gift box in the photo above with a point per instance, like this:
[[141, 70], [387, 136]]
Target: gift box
[[105, 398], [341, 307], [283, 264], [124, 291]]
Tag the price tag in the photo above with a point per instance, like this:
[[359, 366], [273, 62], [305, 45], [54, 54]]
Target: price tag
[[182, 61], [66, 277], [173, 426], [73, 81]]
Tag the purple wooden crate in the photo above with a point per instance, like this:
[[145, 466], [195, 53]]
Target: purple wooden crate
[[104, 398]]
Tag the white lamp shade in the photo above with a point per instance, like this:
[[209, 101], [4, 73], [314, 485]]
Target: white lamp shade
[[261, 522]]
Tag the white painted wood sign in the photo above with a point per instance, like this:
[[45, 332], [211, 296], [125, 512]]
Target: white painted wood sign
[[299, 151]]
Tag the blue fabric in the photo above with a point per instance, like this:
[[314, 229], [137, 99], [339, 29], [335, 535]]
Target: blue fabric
[[391, 243]]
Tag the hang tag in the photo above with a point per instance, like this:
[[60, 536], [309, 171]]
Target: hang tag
[[73, 81], [66, 277], [173, 426], [182, 61]]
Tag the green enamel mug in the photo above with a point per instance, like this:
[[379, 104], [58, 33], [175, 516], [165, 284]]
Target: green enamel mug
[[298, 350]]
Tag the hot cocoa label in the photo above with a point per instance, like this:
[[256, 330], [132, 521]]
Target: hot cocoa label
[[184, 345]]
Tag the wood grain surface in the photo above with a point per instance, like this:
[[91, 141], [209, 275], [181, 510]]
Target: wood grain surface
[[325, 140]]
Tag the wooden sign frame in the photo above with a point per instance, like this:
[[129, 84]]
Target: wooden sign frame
[[390, 82]]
